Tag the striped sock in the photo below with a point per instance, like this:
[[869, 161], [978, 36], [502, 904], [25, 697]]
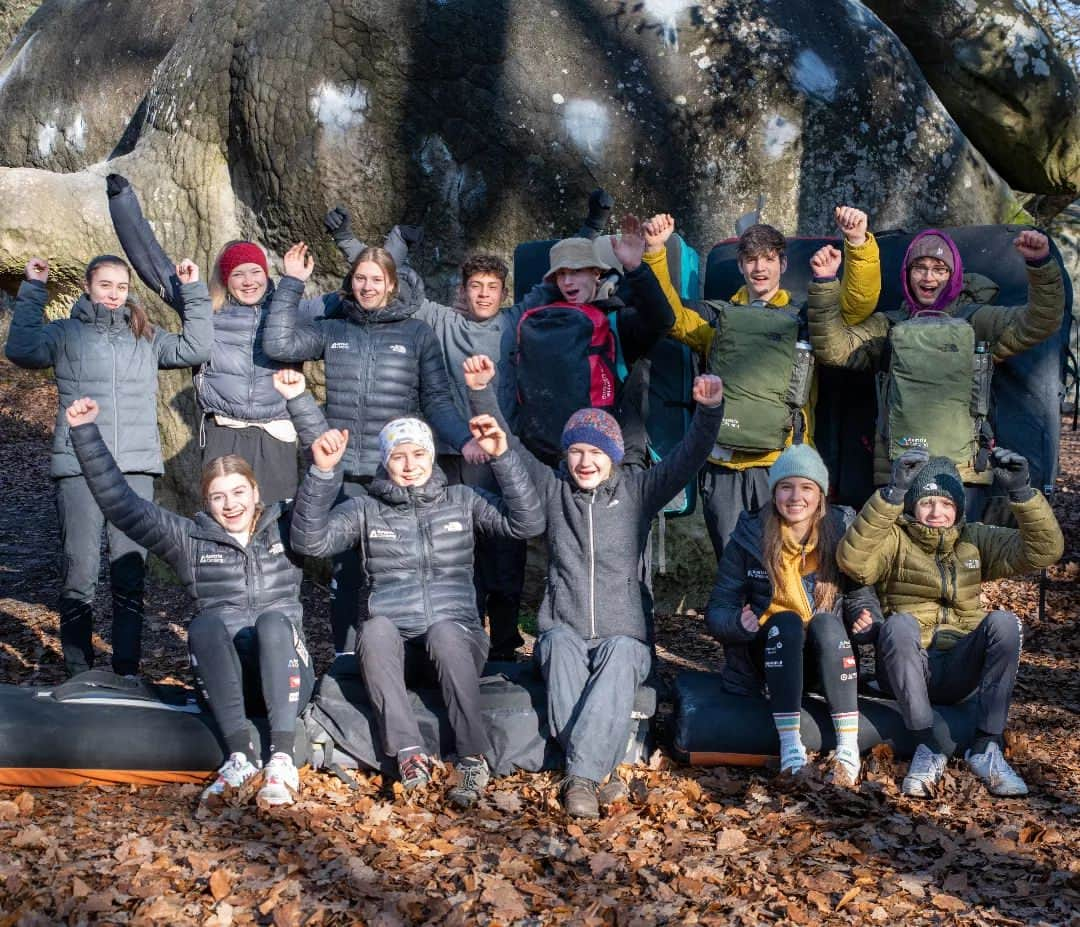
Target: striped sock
[[846, 725], [792, 751]]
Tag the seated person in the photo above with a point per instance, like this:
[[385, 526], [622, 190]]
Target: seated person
[[780, 601], [736, 477], [594, 646], [414, 535], [247, 639], [937, 644]]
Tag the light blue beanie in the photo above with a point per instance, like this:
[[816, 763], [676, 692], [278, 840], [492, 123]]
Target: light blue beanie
[[799, 460]]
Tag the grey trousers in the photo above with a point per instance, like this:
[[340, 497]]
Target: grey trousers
[[590, 696], [454, 653], [726, 494], [986, 659]]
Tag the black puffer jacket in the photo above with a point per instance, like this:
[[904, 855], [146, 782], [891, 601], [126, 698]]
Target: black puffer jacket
[[741, 579], [595, 537], [238, 582], [94, 353], [416, 544], [380, 365]]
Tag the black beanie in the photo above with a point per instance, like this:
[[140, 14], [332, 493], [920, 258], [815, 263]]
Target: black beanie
[[938, 477]]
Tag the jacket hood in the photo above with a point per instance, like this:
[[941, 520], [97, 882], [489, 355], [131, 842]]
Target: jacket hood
[[951, 291], [929, 539], [100, 314], [385, 490]]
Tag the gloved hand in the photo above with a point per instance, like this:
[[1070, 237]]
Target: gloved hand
[[1012, 474], [600, 205], [413, 234], [115, 184], [338, 223], [904, 470]]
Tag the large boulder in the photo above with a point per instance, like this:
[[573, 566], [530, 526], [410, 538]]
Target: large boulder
[[1000, 77]]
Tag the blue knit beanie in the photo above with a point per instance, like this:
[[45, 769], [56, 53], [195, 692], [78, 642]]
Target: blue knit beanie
[[595, 427], [799, 460]]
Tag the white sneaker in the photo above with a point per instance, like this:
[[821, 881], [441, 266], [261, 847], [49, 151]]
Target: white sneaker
[[281, 781], [846, 764], [235, 771], [924, 773], [996, 774]]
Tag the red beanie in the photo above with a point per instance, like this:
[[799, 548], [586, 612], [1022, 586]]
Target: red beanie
[[243, 252]]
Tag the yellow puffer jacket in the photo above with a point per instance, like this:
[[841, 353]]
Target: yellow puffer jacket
[[936, 574], [859, 293]]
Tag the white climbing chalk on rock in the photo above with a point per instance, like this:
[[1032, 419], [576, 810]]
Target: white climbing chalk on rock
[[779, 135], [813, 76], [340, 107], [588, 125]]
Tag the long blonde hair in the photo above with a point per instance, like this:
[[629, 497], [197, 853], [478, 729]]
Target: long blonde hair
[[824, 532]]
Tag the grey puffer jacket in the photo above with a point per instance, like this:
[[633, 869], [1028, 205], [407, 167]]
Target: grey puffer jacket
[[416, 543], [380, 365], [95, 354], [595, 537], [741, 579], [218, 572]]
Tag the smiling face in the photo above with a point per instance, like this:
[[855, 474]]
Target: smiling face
[[797, 500], [762, 273], [233, 502], [927, 278], [247, 284], [370, 287], [109, 285], [484, 296], [588, 465], [578, 285], [409, 464], [935, 512]]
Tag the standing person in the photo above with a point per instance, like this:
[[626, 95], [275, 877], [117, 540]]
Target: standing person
[[594, 647], [382, 363], [414, 534], [935, 354], [241, 412], [246, 641], [783, 611], [772, 393], [109, 351], [938, 644]]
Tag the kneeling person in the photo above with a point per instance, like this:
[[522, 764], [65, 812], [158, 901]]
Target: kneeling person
[[937, 643]]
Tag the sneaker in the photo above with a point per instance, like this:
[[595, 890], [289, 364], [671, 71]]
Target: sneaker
[[924, 773], [234, 773], [612, 791], [281, 781], [793, 760], [996, 774], [475, 775], [415, 770], [844, 769], [579, 797]]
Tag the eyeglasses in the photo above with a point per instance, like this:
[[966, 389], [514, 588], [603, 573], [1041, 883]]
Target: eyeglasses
[[938, 271]]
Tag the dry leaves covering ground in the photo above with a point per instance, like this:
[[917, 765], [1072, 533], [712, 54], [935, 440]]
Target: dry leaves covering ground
[[691, 846]]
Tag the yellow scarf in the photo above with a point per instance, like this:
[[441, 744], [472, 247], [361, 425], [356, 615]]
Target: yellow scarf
[[796, 561]]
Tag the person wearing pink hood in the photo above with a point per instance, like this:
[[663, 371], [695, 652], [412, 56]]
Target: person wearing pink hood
[[934, 355]]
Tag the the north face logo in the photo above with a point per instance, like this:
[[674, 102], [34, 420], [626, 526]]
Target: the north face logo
[[453, 526], [382, 534], [399, 349], [277, 548]]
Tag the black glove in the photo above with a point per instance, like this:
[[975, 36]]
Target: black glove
[[338, 223], [1012, 474], [413, 234], [600, 205], [904, 470], [115, 184]]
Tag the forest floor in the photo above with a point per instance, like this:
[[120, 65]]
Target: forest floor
[[691, 846]]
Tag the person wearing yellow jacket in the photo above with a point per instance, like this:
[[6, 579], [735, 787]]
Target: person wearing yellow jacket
[[938, 644], [734, 480]]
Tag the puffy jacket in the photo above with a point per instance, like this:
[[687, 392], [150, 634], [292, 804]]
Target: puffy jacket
[[380, 365], [936, 574], [416, 543], [595, 537], [94, 353], [1007, 329], [217, 571], [237, 380], [741, 579]]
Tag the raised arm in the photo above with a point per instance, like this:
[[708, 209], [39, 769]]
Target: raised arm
[[649, 316], [318, 527], [288, 336], [600, 205], [436, 394], [192, 345], [689, 327], [307, 417], [518, 514], [141, 247], [861, 285], [836, 344], [32, 343]]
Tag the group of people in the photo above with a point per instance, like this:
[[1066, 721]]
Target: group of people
[[433, 463]]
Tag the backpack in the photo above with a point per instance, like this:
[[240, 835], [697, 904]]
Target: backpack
[[934, 393], [767, 372], [568, 358]]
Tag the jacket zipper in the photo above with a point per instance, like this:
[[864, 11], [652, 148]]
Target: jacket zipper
[[592, 568], [251, 346], [115, 402], [425, 540], [943, 611]]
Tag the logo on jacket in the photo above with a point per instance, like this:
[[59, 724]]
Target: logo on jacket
[[972, 564], [730, 423], [453, 526], [399, 349], [382, 534], [212, 558], [755, 573], [774, 631], [277, 548], [339, 346], [913, 441]]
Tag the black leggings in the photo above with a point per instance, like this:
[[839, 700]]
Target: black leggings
[[793, 657], [242, 672]]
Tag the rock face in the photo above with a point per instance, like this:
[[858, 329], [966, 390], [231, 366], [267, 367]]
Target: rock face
[[997, 73], [488, 121]]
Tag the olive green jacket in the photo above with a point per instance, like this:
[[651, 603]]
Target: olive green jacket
[[1007, 329], [936, 574]]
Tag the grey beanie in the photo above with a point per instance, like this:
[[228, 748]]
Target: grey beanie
[[799, 460]]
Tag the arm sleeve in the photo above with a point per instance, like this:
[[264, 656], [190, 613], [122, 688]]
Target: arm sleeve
[[662, 482], [484, 402], [868, 548], [861, 286], [153, 266], [350, 248], [729, 595], [435, 393], [1037, 543], [318, 527], [518, 514], [288, 337], [1012, 330], [856, 347], [30, 342], [307, 418], [192, 345], [648, 318], [689, 327]]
